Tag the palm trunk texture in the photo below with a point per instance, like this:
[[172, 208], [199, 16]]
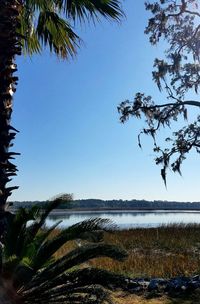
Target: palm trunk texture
[[9, 48]]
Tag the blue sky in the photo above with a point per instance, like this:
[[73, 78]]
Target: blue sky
[[70, 137]]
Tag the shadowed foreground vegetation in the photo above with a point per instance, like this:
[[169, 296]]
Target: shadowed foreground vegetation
[[167, 251], [31, 274]]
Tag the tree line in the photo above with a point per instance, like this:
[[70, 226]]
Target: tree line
[[116, 204]]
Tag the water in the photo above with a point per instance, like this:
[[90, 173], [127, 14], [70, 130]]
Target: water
[[128, 219]]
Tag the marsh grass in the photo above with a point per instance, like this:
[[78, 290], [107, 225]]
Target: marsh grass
[[166, 251]]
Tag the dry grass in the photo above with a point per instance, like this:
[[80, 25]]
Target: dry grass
[[166, 251]]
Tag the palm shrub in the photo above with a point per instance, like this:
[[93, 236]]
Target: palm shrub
[[30, 273]]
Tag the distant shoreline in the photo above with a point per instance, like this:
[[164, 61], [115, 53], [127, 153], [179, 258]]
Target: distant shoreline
[[76, 210], [98, 205], [115, 210]]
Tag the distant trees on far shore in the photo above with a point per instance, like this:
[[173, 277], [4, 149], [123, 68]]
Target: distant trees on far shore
[[116, 204]]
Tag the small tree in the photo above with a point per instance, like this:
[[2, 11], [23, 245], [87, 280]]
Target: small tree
[[178, 74]]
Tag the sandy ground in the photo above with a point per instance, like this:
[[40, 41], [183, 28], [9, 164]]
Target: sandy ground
[[126, 298]]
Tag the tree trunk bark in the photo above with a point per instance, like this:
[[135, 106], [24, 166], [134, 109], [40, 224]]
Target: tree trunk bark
[[9, 47]]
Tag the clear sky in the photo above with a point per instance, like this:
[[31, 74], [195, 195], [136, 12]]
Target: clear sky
[[70, 137]]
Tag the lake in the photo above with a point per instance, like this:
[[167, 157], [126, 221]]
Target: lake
[[127, 219]]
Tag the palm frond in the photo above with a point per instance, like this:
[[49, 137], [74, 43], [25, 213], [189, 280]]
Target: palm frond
[[93, 294], [37, 277], [85, 10], [77, 257], [22, 274], [38, 5], [90, 230], [17, 228], [54, 203], [30, 43], [30, 249], [44, 212], [46, 23], [80, 278], [56, 33]]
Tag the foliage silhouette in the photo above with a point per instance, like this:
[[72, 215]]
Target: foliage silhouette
[[177, 23], [35, 276]]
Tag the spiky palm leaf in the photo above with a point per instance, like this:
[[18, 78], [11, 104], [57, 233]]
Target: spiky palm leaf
[[17, 228], [37, 277], [78, 278], [50, 23], [44, 212], [91, 230]]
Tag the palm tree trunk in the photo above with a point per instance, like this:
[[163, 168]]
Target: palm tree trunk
[[9, 48]]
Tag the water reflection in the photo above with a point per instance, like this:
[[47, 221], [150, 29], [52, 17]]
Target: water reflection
[[128, 219]]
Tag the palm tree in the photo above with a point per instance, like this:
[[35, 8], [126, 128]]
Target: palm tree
[[30, 274], [28, 26]]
